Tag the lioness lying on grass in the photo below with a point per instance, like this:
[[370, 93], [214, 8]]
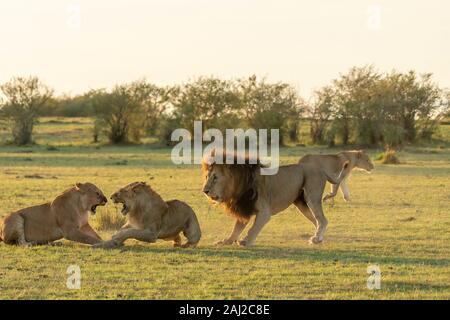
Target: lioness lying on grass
[[332, 162], [151, 218], [64, 217]]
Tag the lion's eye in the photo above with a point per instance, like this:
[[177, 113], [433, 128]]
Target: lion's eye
[[214, 178]]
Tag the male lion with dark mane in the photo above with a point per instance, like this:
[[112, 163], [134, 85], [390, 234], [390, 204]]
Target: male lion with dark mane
[[151, 218], [64, 217], [243, 191]]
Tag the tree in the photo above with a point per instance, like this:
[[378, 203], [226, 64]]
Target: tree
[[268, 106], [415, 103], [320, 113], [356, 111], [445, 109], [24, 97], [156, 102], [70, 106], [211, 100], [130, 111], [388, 109], [117, 111]]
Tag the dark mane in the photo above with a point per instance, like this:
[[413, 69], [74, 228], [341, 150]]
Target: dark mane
[[242, 204], [245, 194]]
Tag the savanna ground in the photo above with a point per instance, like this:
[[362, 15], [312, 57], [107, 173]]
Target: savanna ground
[[398, 220]]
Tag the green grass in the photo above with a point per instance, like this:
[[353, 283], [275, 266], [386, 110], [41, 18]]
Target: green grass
[[399, 219]]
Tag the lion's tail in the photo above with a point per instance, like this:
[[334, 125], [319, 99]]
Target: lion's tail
[[342, 174]]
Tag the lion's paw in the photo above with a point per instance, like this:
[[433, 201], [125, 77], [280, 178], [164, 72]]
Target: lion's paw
[[224, 242], [245, 243], [110, 244], [315, 240]]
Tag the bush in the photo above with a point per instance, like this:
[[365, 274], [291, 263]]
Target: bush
[[107, 220], [165, 128], [389, 157], [24, 98], [120, 112]]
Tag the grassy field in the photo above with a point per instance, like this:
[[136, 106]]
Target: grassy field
[[399, 220]]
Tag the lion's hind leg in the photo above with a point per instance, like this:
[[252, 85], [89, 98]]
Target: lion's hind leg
[[345, 190], [304, 209], [14, 230], [313, 197]]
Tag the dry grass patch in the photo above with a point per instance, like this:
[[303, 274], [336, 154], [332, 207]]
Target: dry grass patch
[[108, 220], [389, 157]]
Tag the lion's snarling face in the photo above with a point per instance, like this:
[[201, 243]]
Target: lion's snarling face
[[92, 196], [363, 162], [126, 196], [217, 184], [137, 195]]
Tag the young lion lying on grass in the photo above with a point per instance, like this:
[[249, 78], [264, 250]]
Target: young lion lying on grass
[[151, 218]]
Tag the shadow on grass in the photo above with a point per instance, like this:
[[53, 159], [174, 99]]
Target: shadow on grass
[[292, 254], [396, 286]]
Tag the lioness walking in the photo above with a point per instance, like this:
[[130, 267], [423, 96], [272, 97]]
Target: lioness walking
[[332, 162], [64, 217]]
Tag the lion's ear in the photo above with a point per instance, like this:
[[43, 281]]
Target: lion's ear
[[137, 186], [209, 159], [80, 187]]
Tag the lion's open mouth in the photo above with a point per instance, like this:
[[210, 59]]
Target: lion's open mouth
[[94, 208], [125, 209]]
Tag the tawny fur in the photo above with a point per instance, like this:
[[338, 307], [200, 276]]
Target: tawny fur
[[64, 217], [332, 162], [267, 195], [151, 218]]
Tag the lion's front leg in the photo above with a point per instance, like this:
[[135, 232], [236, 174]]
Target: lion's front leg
[[146, 235], [87, 229], [239, 226], [260, 221], [345, 190]]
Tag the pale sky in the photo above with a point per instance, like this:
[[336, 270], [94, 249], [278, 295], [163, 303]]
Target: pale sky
[[77, 45]]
